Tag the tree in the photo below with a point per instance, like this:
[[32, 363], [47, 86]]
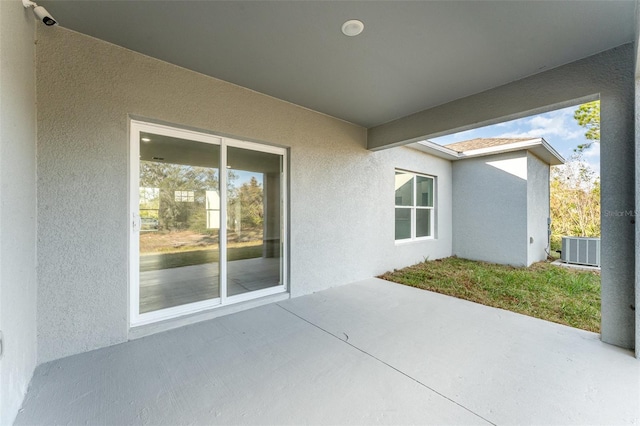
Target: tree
[[588, 116], [574, 201], [175, 194], [246, 207], [251, 197]]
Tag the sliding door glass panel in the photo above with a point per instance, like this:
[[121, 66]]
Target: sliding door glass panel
[[179, 222], [254, 220]]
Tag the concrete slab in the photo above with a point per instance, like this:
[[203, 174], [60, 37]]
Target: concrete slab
[[506, 367], [371, 352], [262, 366]]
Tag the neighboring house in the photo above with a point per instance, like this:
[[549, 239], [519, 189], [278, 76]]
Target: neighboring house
[[501, 206], [500, 198], [76, 111]]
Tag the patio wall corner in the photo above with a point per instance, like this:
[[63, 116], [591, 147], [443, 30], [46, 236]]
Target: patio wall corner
[[538, 209], [17, 206]]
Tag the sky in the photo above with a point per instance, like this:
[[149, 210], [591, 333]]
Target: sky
[[558, 128], [243, 176]]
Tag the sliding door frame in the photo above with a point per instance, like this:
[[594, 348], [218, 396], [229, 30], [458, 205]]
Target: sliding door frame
[[135, 317]]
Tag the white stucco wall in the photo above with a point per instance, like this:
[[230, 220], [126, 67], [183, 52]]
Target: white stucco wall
[[608, 75], [537, 208], [341, 194], [490, 208], [17, 205]]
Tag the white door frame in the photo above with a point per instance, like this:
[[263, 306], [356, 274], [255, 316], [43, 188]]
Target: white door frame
[[135, 317]]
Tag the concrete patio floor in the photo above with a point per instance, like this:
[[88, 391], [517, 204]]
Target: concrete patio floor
[[365, 353]]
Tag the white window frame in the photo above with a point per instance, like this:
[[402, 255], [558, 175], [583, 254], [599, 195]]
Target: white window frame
[[135, 317], [185, 196], [413, 208]]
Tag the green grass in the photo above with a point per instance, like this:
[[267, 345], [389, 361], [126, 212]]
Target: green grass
[[152, 262], [552, 293]]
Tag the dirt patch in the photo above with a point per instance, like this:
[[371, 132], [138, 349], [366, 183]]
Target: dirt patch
[[187, 240]]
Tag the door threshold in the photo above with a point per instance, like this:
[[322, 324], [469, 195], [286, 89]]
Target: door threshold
[[169, 324]]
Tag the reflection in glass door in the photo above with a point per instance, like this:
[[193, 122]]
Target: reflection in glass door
[[193, 246], [179, 222], [254, 242]]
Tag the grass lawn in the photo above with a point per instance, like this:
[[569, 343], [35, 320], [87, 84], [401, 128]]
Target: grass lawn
[[552, 293], [155, 261]]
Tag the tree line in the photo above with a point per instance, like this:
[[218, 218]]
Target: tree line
[[176, 196], [575, 188]]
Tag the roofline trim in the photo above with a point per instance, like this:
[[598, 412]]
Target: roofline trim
[[480, 152], [553, 151], [516, 146], [439, 148]]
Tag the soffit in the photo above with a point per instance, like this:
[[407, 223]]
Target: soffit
[[412, 55]]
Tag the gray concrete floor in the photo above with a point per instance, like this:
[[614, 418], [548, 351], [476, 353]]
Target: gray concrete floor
[[371, 352]]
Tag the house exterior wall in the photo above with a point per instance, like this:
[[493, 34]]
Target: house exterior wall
[[17, 206], [341, 195], [608, 75], [490, 208], [537, 208]]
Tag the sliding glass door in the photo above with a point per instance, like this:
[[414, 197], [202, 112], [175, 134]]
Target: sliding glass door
[[193, 246], [179, 209], [254, 210]]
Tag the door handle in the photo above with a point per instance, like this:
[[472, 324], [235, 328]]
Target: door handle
[[136, 223]]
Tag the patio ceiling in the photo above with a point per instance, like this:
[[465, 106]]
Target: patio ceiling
[[410, 57]]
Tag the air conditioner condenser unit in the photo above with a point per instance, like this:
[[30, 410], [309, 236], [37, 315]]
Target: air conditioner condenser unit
[[581, 251]]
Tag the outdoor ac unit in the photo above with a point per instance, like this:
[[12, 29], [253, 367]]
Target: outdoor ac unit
[[581, 251]]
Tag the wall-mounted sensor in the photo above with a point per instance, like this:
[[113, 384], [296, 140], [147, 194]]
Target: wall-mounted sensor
[[41, 13]]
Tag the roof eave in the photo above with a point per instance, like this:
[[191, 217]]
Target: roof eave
[[538, 146], [555, 158], [435, 150]]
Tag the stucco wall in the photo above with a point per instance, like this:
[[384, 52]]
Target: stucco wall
[[609, 75], [17, 205], [537, 208], [341, 194], [490, 208], [617, 165]]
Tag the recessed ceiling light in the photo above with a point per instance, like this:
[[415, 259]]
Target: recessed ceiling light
[[145, 140], [352, 27]]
